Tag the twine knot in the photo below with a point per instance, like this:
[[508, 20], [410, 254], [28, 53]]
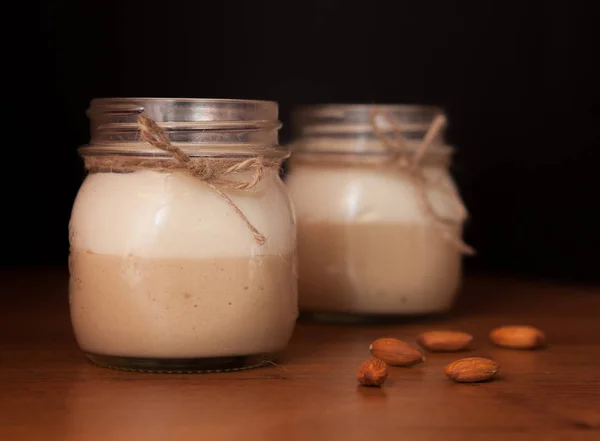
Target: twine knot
[[411, 165], [218, 173]]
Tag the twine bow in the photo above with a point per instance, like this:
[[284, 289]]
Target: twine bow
[[217, 173], [410, 164]]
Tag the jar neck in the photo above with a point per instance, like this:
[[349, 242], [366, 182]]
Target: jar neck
[[366, 149], [394, 132], [361, 120], [199, 128]]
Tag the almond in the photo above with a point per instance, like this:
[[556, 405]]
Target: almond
[[372, 372], [445, 341], [518, 337], [396, 352], [471, 370]]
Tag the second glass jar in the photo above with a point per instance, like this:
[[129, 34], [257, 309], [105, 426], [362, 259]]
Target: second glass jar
[[378, 232]]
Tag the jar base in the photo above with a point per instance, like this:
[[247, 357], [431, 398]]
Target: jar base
[[345, 318], [182, 365]]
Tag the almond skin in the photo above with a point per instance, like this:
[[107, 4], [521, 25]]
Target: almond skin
[[372, 372], [472, 370], [396, 352], [445, 341], [518, 337]]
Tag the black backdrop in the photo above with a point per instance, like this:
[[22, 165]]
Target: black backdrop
[[517, 80]]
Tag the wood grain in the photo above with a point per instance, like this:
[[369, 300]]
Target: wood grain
[[49, 391]]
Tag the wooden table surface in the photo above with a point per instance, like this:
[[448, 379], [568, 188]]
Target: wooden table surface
[[49, 391]]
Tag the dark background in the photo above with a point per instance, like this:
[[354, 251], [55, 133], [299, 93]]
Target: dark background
[[517, 80]]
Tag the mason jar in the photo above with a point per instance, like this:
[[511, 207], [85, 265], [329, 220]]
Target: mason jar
[[379, 216], [182, 236]]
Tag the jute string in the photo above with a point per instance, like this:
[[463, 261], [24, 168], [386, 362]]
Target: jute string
[[218, 173], [404, 161]]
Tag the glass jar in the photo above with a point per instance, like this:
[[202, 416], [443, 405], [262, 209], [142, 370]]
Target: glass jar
[[379, 217], [182, 236]]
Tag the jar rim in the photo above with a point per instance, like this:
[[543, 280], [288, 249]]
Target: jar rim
[[183, 109], [205, 100], [324, 119], [329, 107]]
